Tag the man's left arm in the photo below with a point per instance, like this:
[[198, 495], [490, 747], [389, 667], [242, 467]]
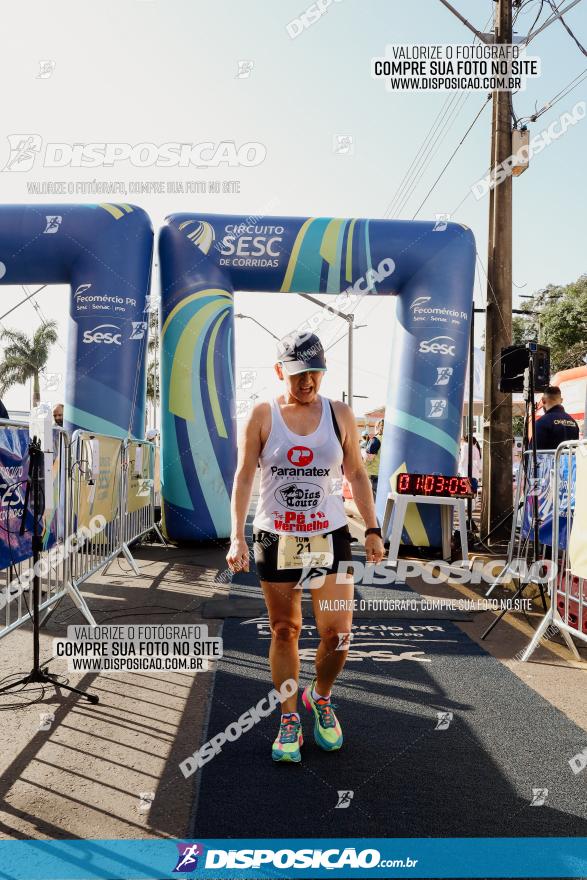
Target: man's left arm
[[354, 471]]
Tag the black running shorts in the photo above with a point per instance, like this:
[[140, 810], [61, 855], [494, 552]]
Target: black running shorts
[[265, 553]]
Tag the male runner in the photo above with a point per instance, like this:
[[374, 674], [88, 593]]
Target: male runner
[[301, 441]]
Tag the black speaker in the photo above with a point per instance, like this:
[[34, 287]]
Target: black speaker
[[515, 359]]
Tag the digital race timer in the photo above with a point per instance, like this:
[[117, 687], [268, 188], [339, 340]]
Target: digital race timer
[[435, 485]]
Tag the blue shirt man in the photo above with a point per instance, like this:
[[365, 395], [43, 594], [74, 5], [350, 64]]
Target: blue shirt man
[[556, 425]]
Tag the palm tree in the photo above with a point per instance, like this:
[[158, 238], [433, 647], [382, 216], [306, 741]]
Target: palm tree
[[25, 357]]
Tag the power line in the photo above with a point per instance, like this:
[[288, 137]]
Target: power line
[[577, 80], [440, 115], [432, 152], [537, 17], [433, 139], [26, 299], [549, 104], [533, 34], [455, 151], [462, 18], [566, 27]]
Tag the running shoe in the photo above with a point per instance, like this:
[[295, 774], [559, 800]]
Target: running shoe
[[327, 730], [286, 746]]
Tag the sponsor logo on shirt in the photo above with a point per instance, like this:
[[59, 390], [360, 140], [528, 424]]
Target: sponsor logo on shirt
[[299, 496], [300, 455], [299, 472], [297, 522]]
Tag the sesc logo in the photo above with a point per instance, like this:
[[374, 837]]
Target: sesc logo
[[300, 456], [103, 335], [438, 345]]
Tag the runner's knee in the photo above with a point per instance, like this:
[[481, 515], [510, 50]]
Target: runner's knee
[[286, 630], [333, 635]]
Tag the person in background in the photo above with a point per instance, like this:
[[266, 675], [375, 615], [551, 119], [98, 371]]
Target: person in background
[[58, 415], [364, 440], [464, 458], [556, 425], [373, 455], [3, 411]]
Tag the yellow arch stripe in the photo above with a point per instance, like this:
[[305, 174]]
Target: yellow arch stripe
[[348, 273], [330, 241], [211, 291], [112, 209], [413, 522], [293, 257], [180, 391], [127, 208], [211, 378]]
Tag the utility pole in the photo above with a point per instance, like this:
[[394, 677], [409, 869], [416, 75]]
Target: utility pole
[[497, 434], [350, 319]]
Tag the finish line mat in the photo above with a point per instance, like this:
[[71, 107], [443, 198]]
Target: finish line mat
[[440, 740]]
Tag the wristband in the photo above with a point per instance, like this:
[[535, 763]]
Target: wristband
[[374, 531]]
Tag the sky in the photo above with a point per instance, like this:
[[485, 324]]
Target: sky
[[155, 71]]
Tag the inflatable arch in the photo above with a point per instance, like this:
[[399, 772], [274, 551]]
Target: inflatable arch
[[104, 252], [205, 258]]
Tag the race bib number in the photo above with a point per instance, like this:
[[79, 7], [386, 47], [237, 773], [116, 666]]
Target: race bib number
[[299, 551]]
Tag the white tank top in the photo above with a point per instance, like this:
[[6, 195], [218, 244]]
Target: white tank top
[[301, 478]]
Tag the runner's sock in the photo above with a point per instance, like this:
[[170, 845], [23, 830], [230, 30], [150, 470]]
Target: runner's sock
[[317, 696], [288, 717]]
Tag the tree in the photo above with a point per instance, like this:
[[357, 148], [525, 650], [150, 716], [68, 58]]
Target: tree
[[558, 319], [153, 362], [25, 357]]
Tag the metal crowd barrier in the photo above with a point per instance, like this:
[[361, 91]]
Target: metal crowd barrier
[[87, 481], [116, 490], [567, 577], [520, 553], [122, 492], [139, 492]]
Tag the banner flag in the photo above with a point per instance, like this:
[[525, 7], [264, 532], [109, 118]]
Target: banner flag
[[139, 476], [14, 471], [98, 492]]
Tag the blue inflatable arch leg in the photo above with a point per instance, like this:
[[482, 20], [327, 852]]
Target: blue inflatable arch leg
[[104, 252], [205, 258]]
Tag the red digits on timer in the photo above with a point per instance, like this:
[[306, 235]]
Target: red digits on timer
[[404, 482]]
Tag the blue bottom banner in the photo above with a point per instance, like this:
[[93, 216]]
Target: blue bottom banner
[[510, 857]]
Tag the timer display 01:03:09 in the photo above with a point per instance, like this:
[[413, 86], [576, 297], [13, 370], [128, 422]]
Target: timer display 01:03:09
[[434, 484]]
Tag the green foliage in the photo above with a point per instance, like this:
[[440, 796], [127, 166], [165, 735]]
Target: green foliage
[[558, 319], [518, 426], [25, 357], [153, 359]]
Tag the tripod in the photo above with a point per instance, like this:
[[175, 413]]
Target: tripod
[[530, 419], [38, 675]]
